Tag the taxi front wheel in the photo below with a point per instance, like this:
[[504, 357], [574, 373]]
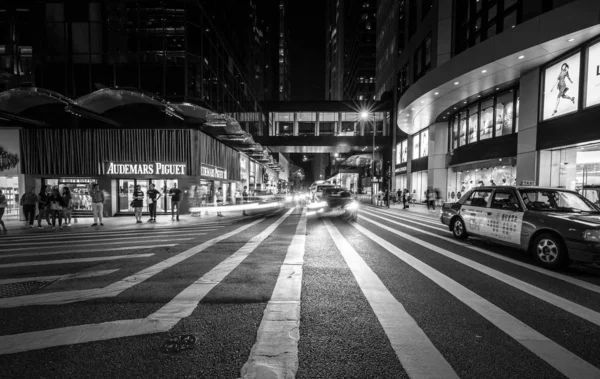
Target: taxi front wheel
[[548, 250], [458, 229]]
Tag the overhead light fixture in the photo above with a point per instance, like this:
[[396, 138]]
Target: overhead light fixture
[[497, 89], [521, 56], [437, 93], [454, 107], [422, 101], [478, 95], [455, 83], [465, 102], [483, 71], [571, 40], [513, 26], [412, 109]]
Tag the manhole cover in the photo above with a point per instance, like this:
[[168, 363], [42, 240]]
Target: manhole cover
[[22, 288], [179, 343]]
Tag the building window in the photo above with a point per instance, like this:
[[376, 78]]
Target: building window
[[416, 149], [401, 27], [424, 137], [402, 80], [422, 58], [426, 6]]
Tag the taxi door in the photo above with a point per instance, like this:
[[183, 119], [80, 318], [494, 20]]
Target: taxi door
[[504, 218], [473, 211]]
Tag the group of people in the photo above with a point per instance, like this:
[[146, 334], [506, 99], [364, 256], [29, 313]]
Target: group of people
[[153, 196], [50, 203]]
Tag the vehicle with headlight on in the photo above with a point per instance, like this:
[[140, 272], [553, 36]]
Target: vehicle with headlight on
[[556, 226], [335, 202]]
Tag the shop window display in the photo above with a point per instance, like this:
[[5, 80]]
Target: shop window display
[[419, 186], [10, 189], [459, 182], [473, 121], [487, 119], [504, 114], [415, 153], [462, 119], [424, 141]]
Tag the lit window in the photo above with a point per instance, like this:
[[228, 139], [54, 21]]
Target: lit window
[[280, 88], [281, 60], [368, 26], [360, 97], [281, 52], [365, 16]]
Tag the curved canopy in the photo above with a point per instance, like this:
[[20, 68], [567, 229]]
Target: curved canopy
[[20, 100], [106, 99]]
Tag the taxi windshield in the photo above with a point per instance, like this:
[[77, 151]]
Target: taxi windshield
[[555, 201], [336, 192]]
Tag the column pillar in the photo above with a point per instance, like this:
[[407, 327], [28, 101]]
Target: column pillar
[[437, 173], [527, 155]]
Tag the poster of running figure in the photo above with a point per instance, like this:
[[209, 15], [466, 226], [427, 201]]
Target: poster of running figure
[[561, 87]]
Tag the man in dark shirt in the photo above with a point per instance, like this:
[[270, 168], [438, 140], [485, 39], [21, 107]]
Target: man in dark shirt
[[42, 207], [153, 196], [175, 194], [28, 201]]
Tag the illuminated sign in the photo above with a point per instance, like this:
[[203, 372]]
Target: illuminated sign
[[213, 172], [400, 170], [561, 87], [592, 88], [156, 168]]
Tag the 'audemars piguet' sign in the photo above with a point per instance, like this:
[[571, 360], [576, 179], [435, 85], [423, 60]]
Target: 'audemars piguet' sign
[[213, 172], [156, 168]]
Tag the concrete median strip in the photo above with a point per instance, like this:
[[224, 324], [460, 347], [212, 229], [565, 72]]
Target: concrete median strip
[[568, 279], [275, 353], [552, 353], [417, 354], [162, 320]]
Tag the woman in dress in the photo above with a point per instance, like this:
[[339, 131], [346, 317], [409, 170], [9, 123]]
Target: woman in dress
[[138, 203], [68, 208], [562, 86]]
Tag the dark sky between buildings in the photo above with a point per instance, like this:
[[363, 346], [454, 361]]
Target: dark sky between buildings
[[306, 20]]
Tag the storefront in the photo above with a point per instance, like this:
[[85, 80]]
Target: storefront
[[401, 179], [11, 180], [497, 172], [419, 182]]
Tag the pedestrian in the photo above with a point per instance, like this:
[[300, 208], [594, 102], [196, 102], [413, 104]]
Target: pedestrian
[[98, 199], [138, 203], [405, 198], [431, 199], [43, 210], [56, 204], [68, 208], [245, 194], [175, 194], [2, 209], [28, 201], [153, 196], [219, 200], [387, 198]]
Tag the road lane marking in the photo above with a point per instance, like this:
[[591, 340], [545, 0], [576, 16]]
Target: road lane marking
[[434, 225], [72, 235], [160, 321], [119, 248], [67, 261], [555, 355], [565, 278], [76, 275], [118, 242], [559, 302], [275, 352], [417, 354], [116, 288]]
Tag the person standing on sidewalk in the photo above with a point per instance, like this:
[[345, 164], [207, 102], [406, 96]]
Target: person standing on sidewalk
[[138, 203], [43, 210], [219, 200], [28, 202], [405, 198], [56, 204], [2, 209], [431, 199], [97, 203], [153, 196], [175, 194], [68, 208]]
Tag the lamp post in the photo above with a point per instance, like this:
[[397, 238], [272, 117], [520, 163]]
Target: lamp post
[[365, 115]]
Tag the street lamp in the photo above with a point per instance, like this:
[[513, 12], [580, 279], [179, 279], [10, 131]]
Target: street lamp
[[365, 116]]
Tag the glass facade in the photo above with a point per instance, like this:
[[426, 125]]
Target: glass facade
[[328, 124], [419, 186], [420, 144], [459, 182], [402, 152], [492, 117]]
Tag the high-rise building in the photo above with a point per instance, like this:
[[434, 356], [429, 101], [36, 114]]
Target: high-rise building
[[481, 95], [277, 69], [351, 48]]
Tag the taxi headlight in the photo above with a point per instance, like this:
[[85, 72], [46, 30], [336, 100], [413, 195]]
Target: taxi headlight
[[592, 235], [352, 206], [288, 198]]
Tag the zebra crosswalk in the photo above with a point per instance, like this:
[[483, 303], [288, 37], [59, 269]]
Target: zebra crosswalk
[[391, 295]]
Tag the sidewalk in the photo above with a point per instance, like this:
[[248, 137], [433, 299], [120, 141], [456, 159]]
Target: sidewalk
[[122, 223], [420, 208]]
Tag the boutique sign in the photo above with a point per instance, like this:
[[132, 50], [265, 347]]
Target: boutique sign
[[213, 172], [144, 169]]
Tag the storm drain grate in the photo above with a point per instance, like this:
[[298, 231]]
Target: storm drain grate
[[22, 289]]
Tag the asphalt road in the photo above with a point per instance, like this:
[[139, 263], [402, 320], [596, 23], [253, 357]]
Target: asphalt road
[[391, 296]]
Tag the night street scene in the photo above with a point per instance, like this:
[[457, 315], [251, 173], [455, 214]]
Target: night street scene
[[279, 189]]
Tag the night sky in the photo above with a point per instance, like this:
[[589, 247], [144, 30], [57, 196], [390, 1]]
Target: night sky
[[306, 21]]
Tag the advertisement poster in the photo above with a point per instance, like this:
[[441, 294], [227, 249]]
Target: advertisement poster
[[561, 86], [593, 76], [9, 152], [505, 226]]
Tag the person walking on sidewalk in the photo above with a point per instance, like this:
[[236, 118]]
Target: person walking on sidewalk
[[138, 203], [97, 203], [153, 196], [405, 198], [56, 204], [219, 196], [28, 202], [2, 209], [68, 208], [430, 199], [387, 198], [175, 194], [43, 210]]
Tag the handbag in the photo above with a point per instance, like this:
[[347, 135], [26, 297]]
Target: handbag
[[55, 206], [132, 204]]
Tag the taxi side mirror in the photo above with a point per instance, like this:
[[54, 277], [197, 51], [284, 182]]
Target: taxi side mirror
[[512, 207]]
